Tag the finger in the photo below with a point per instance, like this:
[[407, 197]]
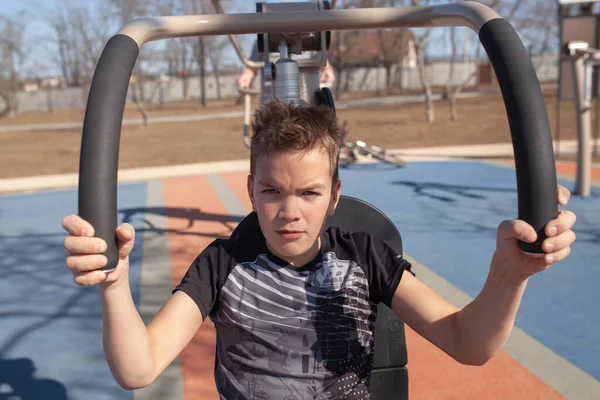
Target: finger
[[557, 256], [559, 242], [564, 195], [89, 278], [562, 223], [77, 226], [85, 262], [126, 232], [516, 229], [126, 235], [81, 245]]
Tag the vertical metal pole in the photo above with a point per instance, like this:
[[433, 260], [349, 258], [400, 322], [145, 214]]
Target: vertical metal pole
[[247, 115], [584, 127], [557, 134], [202, 55], [596, 116]]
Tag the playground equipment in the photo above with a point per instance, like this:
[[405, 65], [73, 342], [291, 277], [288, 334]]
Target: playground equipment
[[350, 151], [578, 80], [584, 60], [306, 30]]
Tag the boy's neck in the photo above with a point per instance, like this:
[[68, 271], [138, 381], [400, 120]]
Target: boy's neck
[[302, 259]]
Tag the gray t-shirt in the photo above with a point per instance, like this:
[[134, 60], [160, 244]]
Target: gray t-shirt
[[294, 333]]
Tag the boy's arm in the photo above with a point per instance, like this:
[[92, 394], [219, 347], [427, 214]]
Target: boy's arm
[[137, 354], [477, 332], [472, 335]]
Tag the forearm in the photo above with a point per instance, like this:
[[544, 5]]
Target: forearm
[[484, 325], [127, 346]]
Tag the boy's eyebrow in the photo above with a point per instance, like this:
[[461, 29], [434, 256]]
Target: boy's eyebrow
[[311, 186], [263, 183], [314, 186]]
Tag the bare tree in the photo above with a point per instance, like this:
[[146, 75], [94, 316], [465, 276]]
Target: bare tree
[[420, 43], [11, 56], [80, 32], [510, 10], [126, 11], [215, 49], [453, 89]]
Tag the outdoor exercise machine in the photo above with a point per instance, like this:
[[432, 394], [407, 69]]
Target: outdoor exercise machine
[[579, 24], [292, 32], [584, 60], [350, 151]]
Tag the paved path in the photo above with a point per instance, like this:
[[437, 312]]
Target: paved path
[[446, 153], [447, 212]]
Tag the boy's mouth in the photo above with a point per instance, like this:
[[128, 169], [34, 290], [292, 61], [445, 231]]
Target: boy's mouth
[[289, 234]]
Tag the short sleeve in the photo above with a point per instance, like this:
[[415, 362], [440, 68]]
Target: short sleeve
[[384, 268], [202, 281]]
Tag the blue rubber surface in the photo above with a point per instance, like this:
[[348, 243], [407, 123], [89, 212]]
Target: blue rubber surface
[[448, 214], [50, 336]]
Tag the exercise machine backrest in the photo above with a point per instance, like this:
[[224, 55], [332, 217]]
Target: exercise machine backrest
[[389, 379]]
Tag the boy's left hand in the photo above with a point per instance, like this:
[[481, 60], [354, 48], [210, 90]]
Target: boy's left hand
[[516, 265]]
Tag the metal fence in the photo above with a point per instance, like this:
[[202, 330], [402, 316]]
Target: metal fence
[[359, 79]]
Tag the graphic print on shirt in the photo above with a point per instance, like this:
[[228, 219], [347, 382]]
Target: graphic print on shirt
[[288, 334]]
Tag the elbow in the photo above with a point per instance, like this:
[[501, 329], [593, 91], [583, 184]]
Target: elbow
[[133, 384], [474, 359], [133, 381]]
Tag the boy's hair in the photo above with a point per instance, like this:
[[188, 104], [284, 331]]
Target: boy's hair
[[281, 127]]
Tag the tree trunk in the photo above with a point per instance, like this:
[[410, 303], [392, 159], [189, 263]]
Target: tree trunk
[[388, 77], [429, 112], [184, 87], [49, 99], [218, 82], [452, 102], [4, 98]]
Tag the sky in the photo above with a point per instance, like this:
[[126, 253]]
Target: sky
[[39, 36]]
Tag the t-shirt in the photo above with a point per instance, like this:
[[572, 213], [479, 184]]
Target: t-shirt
[[286, 332]]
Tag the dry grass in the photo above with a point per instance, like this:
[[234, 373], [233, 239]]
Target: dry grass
[[481, 120]]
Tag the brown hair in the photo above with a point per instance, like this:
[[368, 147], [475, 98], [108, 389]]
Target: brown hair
[[279, 126]]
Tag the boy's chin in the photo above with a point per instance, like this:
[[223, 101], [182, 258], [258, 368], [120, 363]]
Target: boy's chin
[[291, 251]]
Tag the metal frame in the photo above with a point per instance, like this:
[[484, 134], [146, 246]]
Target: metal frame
[[568, 2], [583, 59], [469, 14], [523, 98], [581, 56]]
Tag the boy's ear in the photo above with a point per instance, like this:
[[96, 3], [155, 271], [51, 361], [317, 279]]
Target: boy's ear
[[335, 198], [250, 186]]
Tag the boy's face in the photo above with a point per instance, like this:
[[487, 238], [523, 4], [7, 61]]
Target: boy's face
[[292, 195]]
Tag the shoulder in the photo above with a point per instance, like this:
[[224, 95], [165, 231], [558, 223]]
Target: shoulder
[[338, 236], [233, 250], [361, 246]]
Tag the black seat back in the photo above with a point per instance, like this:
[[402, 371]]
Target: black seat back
[[389, 379]]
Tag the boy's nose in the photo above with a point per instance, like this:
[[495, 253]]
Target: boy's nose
[[288, 211]]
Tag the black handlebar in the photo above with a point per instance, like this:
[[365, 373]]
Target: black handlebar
[[99, 158], [529, 127], [523, 99]]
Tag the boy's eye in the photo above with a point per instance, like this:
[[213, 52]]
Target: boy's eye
[[269, 191], [310, 193]]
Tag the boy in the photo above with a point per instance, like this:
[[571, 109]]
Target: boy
[[300, 291]]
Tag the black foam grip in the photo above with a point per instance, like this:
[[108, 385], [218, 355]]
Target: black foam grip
[[389, 384], [99, 157], [529, 126]]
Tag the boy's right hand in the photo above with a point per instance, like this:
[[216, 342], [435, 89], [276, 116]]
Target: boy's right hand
[[86, 253]]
